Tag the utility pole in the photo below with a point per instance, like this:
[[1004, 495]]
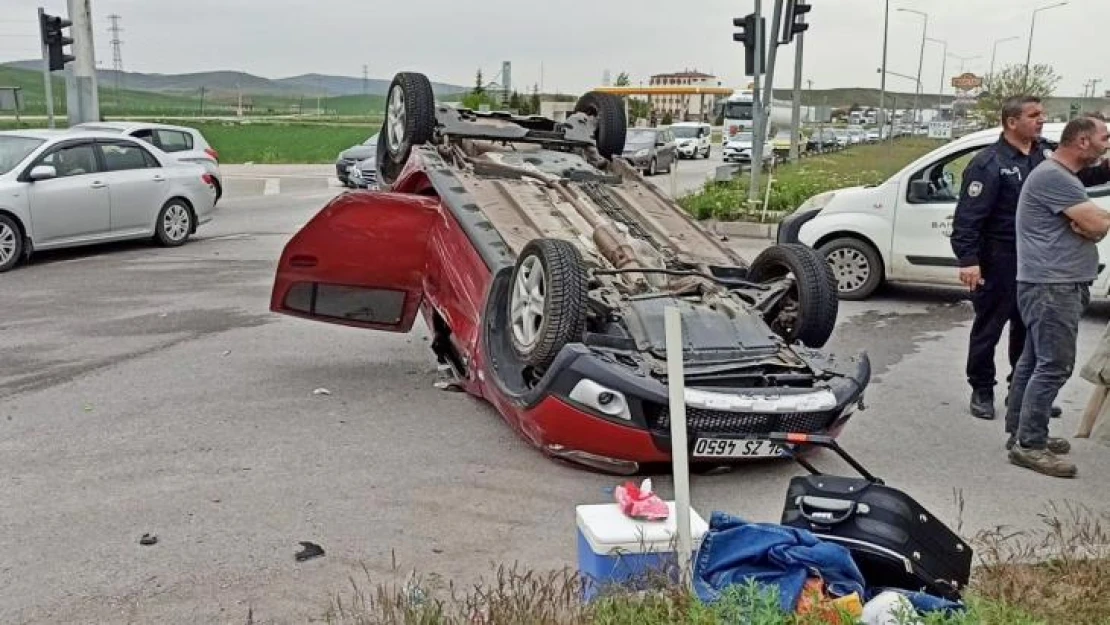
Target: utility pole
[[81, 91], [365, 80], [117, 56], [882, 79], [1094, 86], [203, 89], [757, 106], [796, 109]]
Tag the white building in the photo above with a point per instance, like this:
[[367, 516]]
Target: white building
[[683, 107]]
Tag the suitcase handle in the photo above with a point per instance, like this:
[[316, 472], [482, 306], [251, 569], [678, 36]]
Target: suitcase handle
[[826, 511], [820, 440]]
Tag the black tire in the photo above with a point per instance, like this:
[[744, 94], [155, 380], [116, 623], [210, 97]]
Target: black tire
[[708, 151], [170, 235], [387, 169], [807, 314], [11, 236], [418, 103], [846, 287], [219, 189], [653, 168], [564, 301], [612, 125]]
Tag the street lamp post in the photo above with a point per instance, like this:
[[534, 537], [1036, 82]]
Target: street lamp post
[[921, 56], [1029, 49], [882, 79], [943, 69], [994, 53]]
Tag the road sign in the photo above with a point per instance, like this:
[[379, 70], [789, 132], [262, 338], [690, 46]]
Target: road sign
[[967, 81], [940, 130]]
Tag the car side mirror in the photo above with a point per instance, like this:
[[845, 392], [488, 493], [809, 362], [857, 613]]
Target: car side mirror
[[43, 172], [919, 190]]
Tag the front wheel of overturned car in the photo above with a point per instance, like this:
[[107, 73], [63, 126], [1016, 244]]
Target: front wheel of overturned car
[[807, 312], [612, 125], [410, 115], [547, 304]]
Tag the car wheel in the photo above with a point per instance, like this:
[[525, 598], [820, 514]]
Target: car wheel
[[175, 223], [653, 167], [11, 243], [410, 114], [856, 266], [219, 189], [387, 169], [612, 125], [807, 313], [708, 149], [547, 305]]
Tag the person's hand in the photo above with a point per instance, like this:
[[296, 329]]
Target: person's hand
[[971, 277], [1084, 233]]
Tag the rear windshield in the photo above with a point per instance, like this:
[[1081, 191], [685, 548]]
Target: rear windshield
[[685, 132], [14, 149]]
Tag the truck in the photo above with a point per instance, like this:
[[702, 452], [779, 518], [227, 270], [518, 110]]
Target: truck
[[739, 117], [900, 230]]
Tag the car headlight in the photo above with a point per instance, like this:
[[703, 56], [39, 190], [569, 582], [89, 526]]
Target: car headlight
[[354, 172], [604, 400], [642, 153], [817, 202]]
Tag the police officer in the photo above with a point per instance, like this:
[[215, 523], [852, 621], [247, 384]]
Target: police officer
[[983, 239]]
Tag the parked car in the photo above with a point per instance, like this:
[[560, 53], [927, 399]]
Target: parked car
[[363, 174], [780, 143], [351, 156], [739, 148], [692, 139], [182, 143], [899, 231], [542, 263], [62, 189], [822, 141], [650, 150]]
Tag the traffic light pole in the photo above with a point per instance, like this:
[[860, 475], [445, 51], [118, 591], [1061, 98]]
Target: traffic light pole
[[757, 105], [84, 103], [759, 123], [796, 105], [49, 87]]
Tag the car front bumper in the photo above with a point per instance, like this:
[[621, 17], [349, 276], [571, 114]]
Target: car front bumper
[[568, 424]]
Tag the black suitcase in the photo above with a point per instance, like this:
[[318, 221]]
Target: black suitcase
[[895, 542]]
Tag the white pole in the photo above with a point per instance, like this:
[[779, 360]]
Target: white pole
[[674, 174], [679, 448]]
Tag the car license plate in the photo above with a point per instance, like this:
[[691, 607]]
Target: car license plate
[[736, 448]]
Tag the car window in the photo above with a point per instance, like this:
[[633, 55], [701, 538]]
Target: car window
[[945, 178], [123, 156], [14, 149], [174, 141], [145, 135], [73, 160]]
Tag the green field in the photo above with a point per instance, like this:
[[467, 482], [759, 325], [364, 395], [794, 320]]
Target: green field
[[283, 142]]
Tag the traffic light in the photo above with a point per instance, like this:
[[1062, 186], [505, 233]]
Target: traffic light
[[747, 36], [795, 19], [55, 40]]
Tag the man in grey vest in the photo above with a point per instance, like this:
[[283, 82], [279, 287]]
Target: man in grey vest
[[1057, 228]]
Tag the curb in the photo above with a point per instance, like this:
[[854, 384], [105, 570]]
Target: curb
[[742, 229]]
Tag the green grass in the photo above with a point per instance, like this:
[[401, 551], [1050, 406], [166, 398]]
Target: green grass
[[283, 142], [794, 183]]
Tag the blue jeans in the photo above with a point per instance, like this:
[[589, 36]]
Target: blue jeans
[[1051, 313]]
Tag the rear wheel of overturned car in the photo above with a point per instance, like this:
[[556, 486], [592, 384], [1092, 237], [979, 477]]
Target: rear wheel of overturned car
[[856, 266], [410, 115], [612, 125], [387, 169], [807, 312], [547, 304]]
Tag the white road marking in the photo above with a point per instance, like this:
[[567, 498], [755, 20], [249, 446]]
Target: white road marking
[[273, 186]]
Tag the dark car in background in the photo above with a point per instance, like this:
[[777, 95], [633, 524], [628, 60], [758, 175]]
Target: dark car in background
[[651, 150], [353, 155]]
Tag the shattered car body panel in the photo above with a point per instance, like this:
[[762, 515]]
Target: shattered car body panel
[[497, 183]]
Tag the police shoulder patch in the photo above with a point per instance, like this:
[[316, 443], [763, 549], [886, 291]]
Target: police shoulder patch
[[975, 188]]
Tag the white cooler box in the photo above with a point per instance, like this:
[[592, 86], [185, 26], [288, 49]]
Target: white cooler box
[[614, 549]]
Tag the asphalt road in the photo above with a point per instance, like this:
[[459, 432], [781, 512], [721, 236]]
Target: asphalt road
[[145, 390]]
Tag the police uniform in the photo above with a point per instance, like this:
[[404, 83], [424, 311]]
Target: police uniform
[[983, 234]]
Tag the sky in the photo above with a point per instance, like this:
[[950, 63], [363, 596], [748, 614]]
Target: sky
[[567, 45]]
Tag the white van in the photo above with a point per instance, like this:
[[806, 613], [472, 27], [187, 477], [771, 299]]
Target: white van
[[692, 139], [898, 231]]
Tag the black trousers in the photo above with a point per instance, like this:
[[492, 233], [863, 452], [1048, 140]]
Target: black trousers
[[995, 304]]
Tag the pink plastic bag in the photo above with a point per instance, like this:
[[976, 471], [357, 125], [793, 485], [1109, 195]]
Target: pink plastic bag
[[638, 502]]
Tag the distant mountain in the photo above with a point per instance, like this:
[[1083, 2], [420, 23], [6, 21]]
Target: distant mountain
[[219, 82]]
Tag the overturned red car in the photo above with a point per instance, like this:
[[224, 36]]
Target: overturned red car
[[542, 262]]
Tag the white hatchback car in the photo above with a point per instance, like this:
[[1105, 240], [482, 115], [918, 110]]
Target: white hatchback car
[[60, 189], [182, 143]]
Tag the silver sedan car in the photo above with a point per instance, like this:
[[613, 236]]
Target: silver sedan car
[[64, 189]]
